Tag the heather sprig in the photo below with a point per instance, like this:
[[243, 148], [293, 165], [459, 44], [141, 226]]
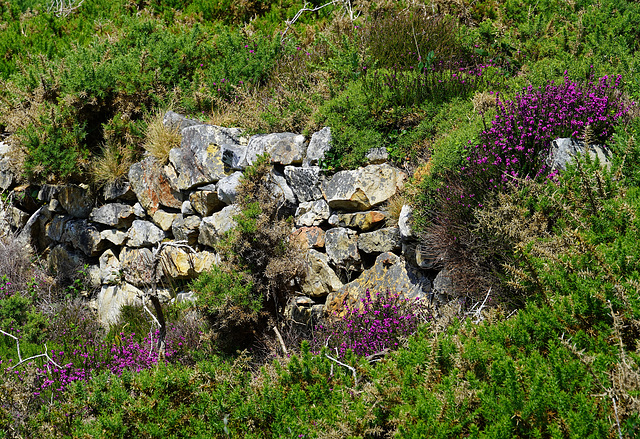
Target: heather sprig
[[517, 143], [376, 323]]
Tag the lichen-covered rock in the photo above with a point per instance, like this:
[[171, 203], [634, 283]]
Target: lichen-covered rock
[[115, 215], [309, 237], [16, 218], [118, 190], [389, 273], [312, 213], [320, 280], [380, 241], [84, 236], [152, 186], [144, 234], [283, 148], [187, 208], [178, 263], [303, 310], [65, 263], [304, 182], [376, 156], [342, 247], [320, 143], [363, 188], [33, 234], [75, 200], [213, 227], [280, 189], [112, 298], [234, 156], [364, 221], [175, 121], [55, 227], [116, 237], [186, 228], [110, 270], [443, 286], [563, 152], [135, 264], [198, 160], [163, 219], [227, 188], [205, 202]]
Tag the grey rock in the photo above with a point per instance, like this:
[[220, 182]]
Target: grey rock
[[112, 298], [301, 310], [363, 188], [16, 218], [163, 219], [442, 286], [363, 221], [116, 237], [118, 190], [320, 280], [55, 206], [320, 143], [213, 227], [404, 222], [283, 148], [227, 188], [380, 241], [33, 234], [304, 182], [65, 263], [56, 227], [205, 202], [563, 151], [187, 208], [342, 247], [84, 236], [144, 234], [175, 121], [186, 228], [152, 186], [75, 200], [280, 189], [389, 273], [135, 264], [139, 210], [48, 192], [312, 213], [234, 156], [376, 156], [115, 215], [110, 269]]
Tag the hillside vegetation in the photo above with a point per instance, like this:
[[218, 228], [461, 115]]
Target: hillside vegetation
[[541, 339]]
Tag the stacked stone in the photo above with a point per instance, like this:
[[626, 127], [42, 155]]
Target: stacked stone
[[338, 219]]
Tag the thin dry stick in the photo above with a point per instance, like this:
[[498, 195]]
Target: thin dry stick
[[22, 361], [280, 340], [353, 370]]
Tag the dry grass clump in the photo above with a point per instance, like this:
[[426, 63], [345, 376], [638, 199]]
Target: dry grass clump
[[112, 164], [160, 139]]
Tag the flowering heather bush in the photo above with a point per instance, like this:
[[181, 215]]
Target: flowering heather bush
[[377, 323], [518, 141]]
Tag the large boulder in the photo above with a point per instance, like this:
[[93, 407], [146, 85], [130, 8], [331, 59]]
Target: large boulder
[[163, 219], [320, 143], [309, 237], [33, 234], [65, 263], [144, 234], [56, 227], [118, 190], [320, 280], [110, 269], [136, 264], [283, 148], [389, 273], [152, 185], [227, 188], [363, 188], [115, 215]]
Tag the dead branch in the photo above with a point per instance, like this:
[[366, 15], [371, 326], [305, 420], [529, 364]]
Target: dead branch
[[21, 360], [346, 5], [62, 8], [352, 369]]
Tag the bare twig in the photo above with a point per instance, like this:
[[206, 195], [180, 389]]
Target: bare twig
[[352, 369], [346, 5], [280, 340], [62, 8], [21, 360]]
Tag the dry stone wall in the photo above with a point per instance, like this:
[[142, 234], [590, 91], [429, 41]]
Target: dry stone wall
[[352, 243]]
